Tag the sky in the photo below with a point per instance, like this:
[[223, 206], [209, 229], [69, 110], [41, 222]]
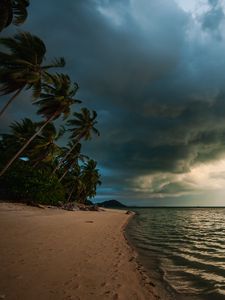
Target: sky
[[155, 73]]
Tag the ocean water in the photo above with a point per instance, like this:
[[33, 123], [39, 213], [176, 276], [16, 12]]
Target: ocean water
[[183, 249]]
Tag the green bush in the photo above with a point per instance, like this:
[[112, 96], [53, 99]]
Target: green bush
[[25, 183]]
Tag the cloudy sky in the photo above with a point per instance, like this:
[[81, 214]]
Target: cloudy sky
[[155, 73]]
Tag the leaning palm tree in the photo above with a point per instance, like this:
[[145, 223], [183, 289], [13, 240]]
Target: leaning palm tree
[[73, 184], [45, 148], [21, 65], [19, 133], [82, 127], [73, 158], [13, 11], [55, 100]]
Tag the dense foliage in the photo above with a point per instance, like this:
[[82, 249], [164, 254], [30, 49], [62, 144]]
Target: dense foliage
[[25, 183], [34, 167]]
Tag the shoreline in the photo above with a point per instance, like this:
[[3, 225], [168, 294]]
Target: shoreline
[[146, 274], [56, 254], [143, 274]]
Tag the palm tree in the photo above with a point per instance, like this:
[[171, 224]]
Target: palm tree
[[83, 124], [45, 148], [21, 65], [73, 184], [73, 158], [13, 11], [55, 100], [82, 127], [91, 178], [78, 189], [20, 132]]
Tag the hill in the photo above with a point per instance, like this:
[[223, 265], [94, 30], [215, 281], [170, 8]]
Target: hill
[[111, 204]]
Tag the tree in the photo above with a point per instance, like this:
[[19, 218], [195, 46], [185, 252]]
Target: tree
[[21, 65], [82, 127], [55, 100], [12, 11], [73, 184], [90, 177], [72, 160], [45, 149], [25, 183], [81, 183], [19, 133]]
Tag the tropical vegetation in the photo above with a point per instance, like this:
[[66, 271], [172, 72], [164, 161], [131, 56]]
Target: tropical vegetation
[[35, 166], [13, 11], [21, 66]]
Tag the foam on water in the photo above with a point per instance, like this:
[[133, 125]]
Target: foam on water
[[185, 247]]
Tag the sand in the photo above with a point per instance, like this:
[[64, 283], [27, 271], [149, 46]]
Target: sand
[[55, 254]]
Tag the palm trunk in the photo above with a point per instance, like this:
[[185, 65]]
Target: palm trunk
[[10, 101], [64, 174], [71, 193], [35, 164], [26, 144], [67, 170]]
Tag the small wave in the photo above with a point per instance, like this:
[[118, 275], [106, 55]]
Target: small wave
[[189, 247]]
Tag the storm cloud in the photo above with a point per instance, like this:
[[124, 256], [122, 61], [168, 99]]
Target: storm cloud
[[155, 72]]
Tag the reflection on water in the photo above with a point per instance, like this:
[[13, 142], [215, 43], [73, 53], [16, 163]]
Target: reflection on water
[[186, 247]]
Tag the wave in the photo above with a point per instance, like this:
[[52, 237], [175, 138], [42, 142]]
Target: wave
[[188, 247]]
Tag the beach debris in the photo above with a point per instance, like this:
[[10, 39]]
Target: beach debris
[[128, 212], [94, 208], [31, 203], [70, 206], [53, 207], [88, 207], [73, 206]]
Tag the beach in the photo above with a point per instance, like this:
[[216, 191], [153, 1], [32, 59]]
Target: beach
[[57, 254]]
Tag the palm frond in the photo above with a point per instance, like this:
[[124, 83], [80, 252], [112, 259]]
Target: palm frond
[[56, 63], [6, 13], [20, 11], [36, 89], [83, 124], [61, 132], [96, 131]]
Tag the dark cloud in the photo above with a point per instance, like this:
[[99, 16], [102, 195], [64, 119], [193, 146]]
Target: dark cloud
[[213, 2], [213, 18], [171, 142], [155, 78]]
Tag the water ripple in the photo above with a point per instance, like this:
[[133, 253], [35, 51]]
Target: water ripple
[[187, 246]]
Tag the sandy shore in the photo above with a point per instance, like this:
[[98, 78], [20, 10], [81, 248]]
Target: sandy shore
[[54, 254]]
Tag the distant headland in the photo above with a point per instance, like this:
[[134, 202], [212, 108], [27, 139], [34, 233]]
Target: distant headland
[[111, 204]]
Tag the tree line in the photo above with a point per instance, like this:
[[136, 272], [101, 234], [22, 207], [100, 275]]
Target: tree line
[[33, 165]]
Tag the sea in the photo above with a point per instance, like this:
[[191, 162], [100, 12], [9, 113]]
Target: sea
[[183, 249]]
